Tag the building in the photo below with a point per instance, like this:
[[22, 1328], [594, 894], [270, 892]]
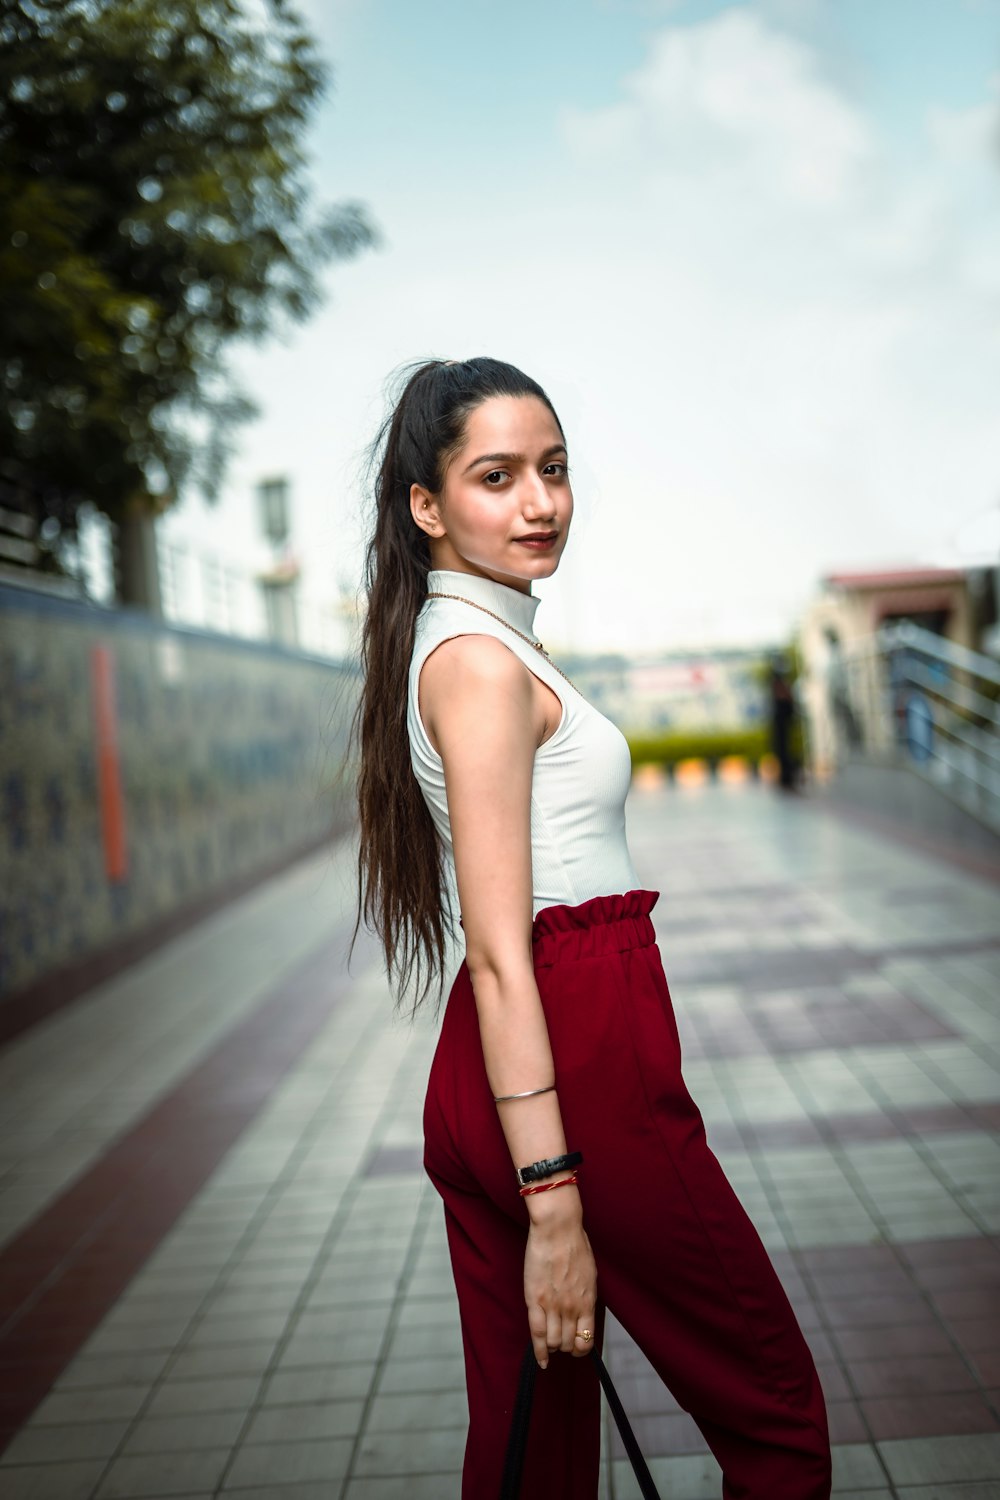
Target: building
[[958, 604]]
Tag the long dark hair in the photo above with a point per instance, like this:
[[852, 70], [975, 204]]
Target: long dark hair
[[402, 894]]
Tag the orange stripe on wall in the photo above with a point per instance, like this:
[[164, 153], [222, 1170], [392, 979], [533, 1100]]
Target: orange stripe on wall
[[109, 781]]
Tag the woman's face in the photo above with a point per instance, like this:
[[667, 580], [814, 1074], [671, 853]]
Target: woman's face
[[508, 483]]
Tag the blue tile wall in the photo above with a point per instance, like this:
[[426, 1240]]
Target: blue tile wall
[[227, 752]]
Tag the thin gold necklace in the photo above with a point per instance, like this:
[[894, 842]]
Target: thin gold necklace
[[537, 644]]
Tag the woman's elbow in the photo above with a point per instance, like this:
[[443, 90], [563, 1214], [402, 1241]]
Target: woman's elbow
[[497, 973]]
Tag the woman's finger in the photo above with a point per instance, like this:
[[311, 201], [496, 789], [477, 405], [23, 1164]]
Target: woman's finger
[[568, 1343], [537, 1328], [584, 1339]]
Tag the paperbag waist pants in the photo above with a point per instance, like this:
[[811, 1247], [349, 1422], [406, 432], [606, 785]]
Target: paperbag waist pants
[[679, 1262]]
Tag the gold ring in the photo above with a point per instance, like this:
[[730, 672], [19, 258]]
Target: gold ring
[[584, 1333]]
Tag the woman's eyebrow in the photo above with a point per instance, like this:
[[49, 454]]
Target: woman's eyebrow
[[512, 458]]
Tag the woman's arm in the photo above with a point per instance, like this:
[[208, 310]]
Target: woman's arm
[[483, 713]]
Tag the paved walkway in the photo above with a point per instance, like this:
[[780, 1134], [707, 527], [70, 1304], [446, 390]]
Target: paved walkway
[[223, 1272]]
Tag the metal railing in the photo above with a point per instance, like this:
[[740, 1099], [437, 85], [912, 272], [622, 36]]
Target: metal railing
[[207, 589], [917, 699]]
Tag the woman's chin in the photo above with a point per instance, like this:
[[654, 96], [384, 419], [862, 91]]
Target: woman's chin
[[537, 564]]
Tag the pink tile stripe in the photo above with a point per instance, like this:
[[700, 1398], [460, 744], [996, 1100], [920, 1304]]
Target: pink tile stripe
[[60, 1276]]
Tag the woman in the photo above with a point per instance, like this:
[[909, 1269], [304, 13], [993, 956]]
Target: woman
[[486, 776]]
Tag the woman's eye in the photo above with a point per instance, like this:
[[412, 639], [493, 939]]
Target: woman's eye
[[492, 474], [563, 468]]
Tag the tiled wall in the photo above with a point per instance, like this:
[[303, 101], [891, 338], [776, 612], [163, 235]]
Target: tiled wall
[[144, 767]]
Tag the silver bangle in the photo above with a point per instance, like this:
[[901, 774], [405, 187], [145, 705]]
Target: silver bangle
[[499, 1098]]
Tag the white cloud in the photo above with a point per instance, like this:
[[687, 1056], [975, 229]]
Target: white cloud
[[826, 338], [965, 135], [731, 96]]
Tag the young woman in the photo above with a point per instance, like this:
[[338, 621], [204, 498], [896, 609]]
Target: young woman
[[486, 776]]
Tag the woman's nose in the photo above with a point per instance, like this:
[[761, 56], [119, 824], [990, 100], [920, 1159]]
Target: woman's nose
[[537, 500]]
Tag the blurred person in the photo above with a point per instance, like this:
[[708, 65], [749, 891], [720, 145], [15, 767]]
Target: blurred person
[[783, 719], [910, 674], [571, 1159]]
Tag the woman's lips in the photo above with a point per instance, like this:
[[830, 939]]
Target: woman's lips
[[537, 543]]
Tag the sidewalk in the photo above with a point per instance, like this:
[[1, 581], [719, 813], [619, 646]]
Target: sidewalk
[[223, 1271]]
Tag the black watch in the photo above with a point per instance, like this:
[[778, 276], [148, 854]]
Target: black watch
[[539, 1169]]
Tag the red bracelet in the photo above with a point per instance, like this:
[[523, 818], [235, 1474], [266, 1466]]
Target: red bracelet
[[544, 1187]]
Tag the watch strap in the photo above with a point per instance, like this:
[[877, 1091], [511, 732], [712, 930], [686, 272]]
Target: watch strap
[[539, 1169]]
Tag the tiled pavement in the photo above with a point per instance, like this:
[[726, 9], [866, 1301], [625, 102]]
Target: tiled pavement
[[223, 1271]]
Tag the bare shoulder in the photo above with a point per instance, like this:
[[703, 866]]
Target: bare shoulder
[[474, 679], [477, 660]]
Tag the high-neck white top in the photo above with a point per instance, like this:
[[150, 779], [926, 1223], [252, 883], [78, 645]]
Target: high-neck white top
[[581, 772]]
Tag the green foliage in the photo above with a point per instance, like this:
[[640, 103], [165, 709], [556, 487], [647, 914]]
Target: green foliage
[[153, 206], [667, 747]]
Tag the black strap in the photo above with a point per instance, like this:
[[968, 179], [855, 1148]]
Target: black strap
[[642, 1474], [518, 1439], [517, 1442]]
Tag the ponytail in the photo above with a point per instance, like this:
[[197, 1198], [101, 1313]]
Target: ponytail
[[402, 892]]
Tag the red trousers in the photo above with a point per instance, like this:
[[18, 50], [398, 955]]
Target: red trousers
[[679, 1262]]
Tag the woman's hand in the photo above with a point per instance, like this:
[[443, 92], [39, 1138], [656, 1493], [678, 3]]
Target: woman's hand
[[560, 1279]]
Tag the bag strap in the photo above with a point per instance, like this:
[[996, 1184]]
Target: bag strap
[[517, 1442], [642, 1474]]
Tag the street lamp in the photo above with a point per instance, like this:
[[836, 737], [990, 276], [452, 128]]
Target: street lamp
[[279, 582]]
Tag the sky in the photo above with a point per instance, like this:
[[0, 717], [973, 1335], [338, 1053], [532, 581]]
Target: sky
[[750, 250]]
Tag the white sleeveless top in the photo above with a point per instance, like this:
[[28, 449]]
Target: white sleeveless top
[[581, 773]]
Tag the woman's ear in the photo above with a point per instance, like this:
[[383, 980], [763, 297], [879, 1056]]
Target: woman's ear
[[425, 510]]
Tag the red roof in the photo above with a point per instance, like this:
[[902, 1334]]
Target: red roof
[[895, 578]]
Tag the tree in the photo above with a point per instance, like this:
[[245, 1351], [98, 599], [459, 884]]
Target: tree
[[154, 205]]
